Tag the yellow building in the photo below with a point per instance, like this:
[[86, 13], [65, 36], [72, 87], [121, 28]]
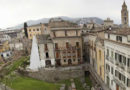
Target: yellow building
[[4, 46], [37, 30], [100, 57]]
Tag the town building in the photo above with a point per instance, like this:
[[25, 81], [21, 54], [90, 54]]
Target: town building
[[117, 59], [46, 50], [5, 50], [67, 41], [100, 57], [108, 23], [62, 47], [37, 29]]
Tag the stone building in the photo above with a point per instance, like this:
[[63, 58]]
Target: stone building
[[117, 59], [67, 41], [62, 47], [125, 16], [108, 23]]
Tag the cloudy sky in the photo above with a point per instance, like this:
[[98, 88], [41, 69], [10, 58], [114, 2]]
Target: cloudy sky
[[13, 12]]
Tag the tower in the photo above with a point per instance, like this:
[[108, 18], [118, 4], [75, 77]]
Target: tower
[[124, 15]]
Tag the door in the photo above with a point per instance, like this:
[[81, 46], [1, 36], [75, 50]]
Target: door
[[117, 87], [69, 62]]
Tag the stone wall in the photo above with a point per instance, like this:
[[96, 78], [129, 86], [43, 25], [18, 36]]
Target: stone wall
[[55, 75]]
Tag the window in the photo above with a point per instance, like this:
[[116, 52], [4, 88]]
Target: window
[[111, 82], [7, 54], [124, 60], [107, 52], [74, 60], [57, 54], [56, 45], [128, 63], [119, 76], [46, 47], [29, 30], [128, 82], [116, 56], [108, 36], [116, 73], [54, 34], [77, 44], [33, 29], [67, 44], [119, 38], [64, 60], [112, 54], [100, 71], [100, 54], [2, 55], [123, 79], [47, 55], [120, 58], [125, 20], [111, 70], [37, 29]]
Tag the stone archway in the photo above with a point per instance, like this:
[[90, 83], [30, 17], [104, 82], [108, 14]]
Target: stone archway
[[69, 62]]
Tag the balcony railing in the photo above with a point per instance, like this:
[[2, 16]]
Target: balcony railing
[[107, 57], [120, 83], [111, 59], [117, 63], [122, 66]]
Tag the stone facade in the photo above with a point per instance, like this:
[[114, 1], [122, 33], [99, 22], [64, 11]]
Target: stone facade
[[67, 41]]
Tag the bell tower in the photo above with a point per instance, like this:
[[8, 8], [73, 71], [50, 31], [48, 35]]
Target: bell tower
[[125, 16]]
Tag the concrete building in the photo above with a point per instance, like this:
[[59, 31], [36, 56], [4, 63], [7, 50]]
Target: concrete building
[[117, 59], [67, 41]]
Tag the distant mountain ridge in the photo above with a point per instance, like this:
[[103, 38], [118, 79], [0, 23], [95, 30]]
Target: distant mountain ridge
[[75, 20]]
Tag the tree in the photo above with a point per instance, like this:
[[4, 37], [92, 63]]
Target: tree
[[25, 29]]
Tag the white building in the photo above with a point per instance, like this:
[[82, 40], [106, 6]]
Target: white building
[[42, 54], [117, 59], [5, 37], [6, 54], [46, 50]]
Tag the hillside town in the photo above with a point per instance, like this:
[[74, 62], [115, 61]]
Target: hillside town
[[89, 56]]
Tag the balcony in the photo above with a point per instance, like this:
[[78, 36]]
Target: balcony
[[111, 60], [107, 72], [117, 81], [117, 63], [107, 57], [122, 66]]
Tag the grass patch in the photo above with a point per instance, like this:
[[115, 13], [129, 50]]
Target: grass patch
[[25, 83], [78, 84], [88, 81], [17, 82], [66, 82]]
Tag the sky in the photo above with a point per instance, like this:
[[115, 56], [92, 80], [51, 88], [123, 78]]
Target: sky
[[14, 12]]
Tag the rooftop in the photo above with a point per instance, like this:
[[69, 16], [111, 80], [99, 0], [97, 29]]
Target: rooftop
[[121, 31], [44, 39]]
